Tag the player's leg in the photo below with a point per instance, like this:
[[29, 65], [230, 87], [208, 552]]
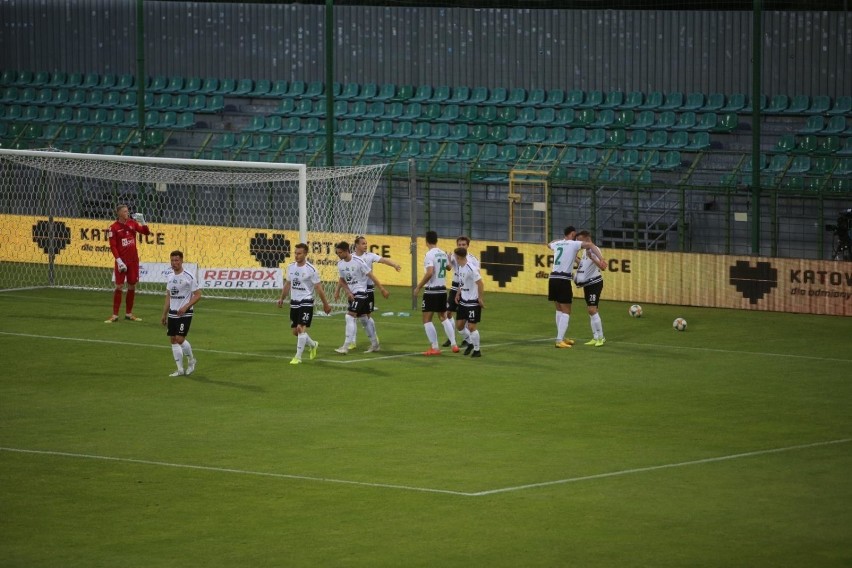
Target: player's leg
[[185, 346], [473, 314], [449, 329], [130, 298], [116, 294]]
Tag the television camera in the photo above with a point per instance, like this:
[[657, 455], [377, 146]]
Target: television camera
[[842, 244]]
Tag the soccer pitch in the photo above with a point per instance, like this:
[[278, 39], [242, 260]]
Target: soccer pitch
[[729, 444]]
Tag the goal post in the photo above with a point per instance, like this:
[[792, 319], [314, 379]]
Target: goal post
[[236, 222]]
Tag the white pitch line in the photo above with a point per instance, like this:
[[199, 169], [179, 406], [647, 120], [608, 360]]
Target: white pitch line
[[428, 489], [231, 470], [659, 467]]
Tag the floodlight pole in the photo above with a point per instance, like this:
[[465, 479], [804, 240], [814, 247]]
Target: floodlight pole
[[755, 128], [329, 83]]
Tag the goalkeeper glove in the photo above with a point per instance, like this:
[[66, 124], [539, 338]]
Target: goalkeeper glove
[[139, 218], [121, 266]]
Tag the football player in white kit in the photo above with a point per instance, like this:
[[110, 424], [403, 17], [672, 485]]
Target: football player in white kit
[[354, 275], [359, 249], [452, 305], [303, 280], [434, 286], [469, 298], [589, 278], [182, 293]]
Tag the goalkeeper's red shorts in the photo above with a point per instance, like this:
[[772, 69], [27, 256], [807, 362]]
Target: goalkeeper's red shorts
[[132, 274]]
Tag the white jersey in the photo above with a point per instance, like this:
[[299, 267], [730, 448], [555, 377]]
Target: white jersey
[[180, 288], [369, 258], [564, 253], [303, 279], [437, 259], [468, 277], [454, 263], [354, 273], [587, 271]]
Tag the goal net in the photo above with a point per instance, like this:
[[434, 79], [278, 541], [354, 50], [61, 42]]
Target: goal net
[[237, 223]]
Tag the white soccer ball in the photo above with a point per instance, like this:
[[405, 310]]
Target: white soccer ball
[[679, 324], [636, 311]]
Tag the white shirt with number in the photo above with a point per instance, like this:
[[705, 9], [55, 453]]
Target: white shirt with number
[[454, 263], [437, 259], [354, 273], [469, 275], [303, 279], [369, 258], [180, 288], [587, 271], [564, 253]]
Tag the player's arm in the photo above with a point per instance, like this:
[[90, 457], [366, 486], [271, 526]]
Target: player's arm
[[165, 317], [138, 224], [116, 252], [396, 266], [378, 284], [342, 285], [321, 293], [595, 250], [192, 301], [426, 277], [480, 291], [284, 291]]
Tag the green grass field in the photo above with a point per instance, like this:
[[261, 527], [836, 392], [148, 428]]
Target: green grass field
[[729, 444]]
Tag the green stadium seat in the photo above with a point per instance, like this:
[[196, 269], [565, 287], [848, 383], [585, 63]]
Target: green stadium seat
[[158, 84], [10, 95], [612, 100], [649, 159], [458, 132], [778, 104], [191, 86], [637, 139], [820, 104], [154, 138], [8, 78], [813, 125], [587, 156], [27, 96], [438, 131], [542, 98], [829, 145], [516, 135], [842, 105], [518, 97], [707, 121], [785, 144], [131, 118], [596, 137], [375, 109], [666, 121], [498, 133], [50, 132], [43, 96], [393, 111], [843, 167], [673, 101], [563, 117], [628, 159], [736, 103], [24, 79], [384, 128], [556, 135], [103, 82], [644, 120], [369, 91], [506, 115], [95, 99], [209, 85], [441, 94], [421, 95], [809, 144], [161, 101], [294, 124], [574, 98], [311, 126], [605, 118], [836, 124], [29, 113], [60, 97], [670, 161], [304, 107], [46, 114], [420, 130], [126, 101], [714, 102], [615, 138], [678, 140], [224, 141], [653, 101], [215, 103], [822, 165], [77, 97], [592, 100], [197, 103], [584, 117], [633, 100], [478, 95], [114, 117], [526, 116], [261, 89], [798, 105], [450, 113], [81, 116], [175, 85], [40, 79], [312, 90], [243, 88], [365, 128], [685, 121], [536, 135], [403, 129], [64, 114], [498, 96], [460, 95], [727, 122], [658, 139], [576, 136], [694, 101], [255, 124], [700, 141], [387, 92], [412, 112], [483, 114]]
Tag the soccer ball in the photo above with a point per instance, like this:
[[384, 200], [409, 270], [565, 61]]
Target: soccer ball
[[679, 324], [636, 311]]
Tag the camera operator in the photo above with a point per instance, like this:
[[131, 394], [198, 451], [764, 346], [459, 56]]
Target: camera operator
[[842, 244]]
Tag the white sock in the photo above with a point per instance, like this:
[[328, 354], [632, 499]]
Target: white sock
[[369, 327], [597, 326], [309, 341], [474, 338], [431, 334], [187, 349], [450, 330], [301, 339], [561, 325], [465, 333], [177, 352], [351, 329]]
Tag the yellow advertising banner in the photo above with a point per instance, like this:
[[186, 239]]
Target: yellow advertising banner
[[740, 282]]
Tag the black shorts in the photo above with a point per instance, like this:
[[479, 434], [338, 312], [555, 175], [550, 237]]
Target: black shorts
[[371, 298], [592, 293], [452, 306], [434, 301], [361, 305], [301, 315], [470, 314], [559, 290], [178, 325]]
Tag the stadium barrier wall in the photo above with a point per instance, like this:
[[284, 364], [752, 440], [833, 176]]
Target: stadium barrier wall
[[720, 281]]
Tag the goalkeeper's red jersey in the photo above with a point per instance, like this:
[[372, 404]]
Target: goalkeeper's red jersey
[[122, 239]]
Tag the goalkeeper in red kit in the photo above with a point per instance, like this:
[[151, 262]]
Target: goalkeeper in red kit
[[122, 242]]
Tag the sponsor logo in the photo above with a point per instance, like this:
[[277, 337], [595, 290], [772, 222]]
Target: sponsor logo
[[753, 282], [502, 265], [270, 252], [241, 278], [52, 238]]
